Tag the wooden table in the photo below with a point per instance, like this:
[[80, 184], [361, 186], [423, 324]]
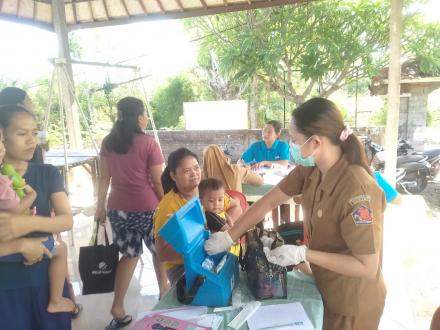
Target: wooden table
[[87, 158]]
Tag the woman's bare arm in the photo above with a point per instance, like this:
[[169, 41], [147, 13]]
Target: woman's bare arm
[[234, 210], [104, 183], [155, 174], [18, 225]]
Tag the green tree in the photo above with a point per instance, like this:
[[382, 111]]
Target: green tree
[[167, 102], [421, 41], [75, 45], [218, 85], [379, 118], [433, 118], [97, 103], [301, 51]]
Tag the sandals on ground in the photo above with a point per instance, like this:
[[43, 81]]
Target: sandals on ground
[[119, 323]]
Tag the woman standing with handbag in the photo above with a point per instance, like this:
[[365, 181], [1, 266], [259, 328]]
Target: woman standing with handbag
[[134, 163], [343, 212]]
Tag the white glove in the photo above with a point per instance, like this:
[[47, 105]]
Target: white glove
[[267, 241], [219, 242], [286, 255]]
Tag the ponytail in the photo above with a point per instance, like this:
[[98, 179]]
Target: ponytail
[[319, 116], [354, 152], [126, 127], [168, 183]]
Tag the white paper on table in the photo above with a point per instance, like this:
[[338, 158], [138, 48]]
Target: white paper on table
[[208, 320], [272, 179], [282, 316], [262, 170], [182, 313]]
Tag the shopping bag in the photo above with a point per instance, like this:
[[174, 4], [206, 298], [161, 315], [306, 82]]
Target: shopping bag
[[100, 231], [265, 279], [97, 265]]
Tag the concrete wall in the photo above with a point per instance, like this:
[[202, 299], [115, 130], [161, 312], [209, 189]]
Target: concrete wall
[[412, 116], [237, 141]]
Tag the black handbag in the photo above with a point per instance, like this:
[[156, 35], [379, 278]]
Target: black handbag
[[214, 222], [185, 296], [97, 266], [265, 279], [292, 232]]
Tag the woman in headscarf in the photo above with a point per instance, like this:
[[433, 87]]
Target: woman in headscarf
[[217, 164]]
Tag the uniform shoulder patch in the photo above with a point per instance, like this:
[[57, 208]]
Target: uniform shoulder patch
[[363, 215], [359, 199]]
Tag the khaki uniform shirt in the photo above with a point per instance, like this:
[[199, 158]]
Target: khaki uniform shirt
[[343, 214]]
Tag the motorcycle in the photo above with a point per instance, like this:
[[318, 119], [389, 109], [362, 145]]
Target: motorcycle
[[417, 168], [433, 156], [400, 174]]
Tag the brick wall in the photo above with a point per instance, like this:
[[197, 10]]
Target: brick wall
[[237, 141]]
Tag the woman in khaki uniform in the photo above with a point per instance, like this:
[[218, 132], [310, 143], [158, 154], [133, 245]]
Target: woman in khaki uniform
[[343, 212]]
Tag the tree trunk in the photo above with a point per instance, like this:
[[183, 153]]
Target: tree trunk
[[253, 118]]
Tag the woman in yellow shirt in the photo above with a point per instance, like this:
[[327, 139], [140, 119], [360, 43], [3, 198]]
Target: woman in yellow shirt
[[180, 181]]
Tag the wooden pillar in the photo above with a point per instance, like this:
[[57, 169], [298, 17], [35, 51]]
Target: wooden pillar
[[71, 109], [392, 125]]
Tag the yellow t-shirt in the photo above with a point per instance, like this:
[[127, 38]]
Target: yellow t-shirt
[[169, 205], [227, 202]]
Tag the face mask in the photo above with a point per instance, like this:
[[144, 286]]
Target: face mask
[[295, 152]]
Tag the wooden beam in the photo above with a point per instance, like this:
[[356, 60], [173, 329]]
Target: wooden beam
[[203, 4], [141, 3], [179, 3], [159, 3], [121, 66], [66, 82], [1, 5], [189, 13], [75, 17], [106, 9], [392, 125], [91, 10], [125, 8], [27, 21], [34, 14], [18, 8]]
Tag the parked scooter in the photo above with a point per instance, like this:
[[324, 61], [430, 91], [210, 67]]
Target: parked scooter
[[433, 156], [400, 174], [417, 169]]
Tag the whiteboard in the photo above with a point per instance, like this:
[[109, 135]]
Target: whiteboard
[[216, 115]]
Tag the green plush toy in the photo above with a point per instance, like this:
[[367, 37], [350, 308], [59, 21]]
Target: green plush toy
[[18, 182]]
